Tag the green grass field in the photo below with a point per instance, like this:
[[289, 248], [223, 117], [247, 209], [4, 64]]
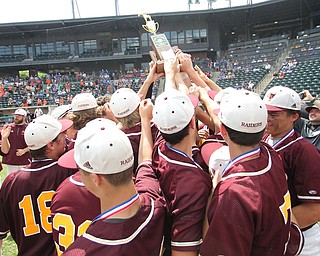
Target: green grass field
[[9, 247]]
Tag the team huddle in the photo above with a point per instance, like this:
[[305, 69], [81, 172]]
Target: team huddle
[[202, 171]]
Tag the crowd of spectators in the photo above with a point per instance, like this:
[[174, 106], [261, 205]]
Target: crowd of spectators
[[242, 74], [287, 67], [59, 89]]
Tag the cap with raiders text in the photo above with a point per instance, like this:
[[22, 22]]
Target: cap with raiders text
[[279, 98], [124, 102], [243, 111], [172, 111], [83, 101], [43, 130], [100, 148]]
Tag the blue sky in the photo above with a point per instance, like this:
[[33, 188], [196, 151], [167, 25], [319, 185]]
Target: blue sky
[[39, 10]]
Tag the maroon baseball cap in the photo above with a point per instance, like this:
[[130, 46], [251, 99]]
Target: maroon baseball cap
[[67, 160], [212, 94], [273, 108], [208, 148], [66, 124], [194, 99]]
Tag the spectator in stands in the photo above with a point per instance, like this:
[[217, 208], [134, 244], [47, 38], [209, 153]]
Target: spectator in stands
[[39, 102], [310, 129], [13, 146]]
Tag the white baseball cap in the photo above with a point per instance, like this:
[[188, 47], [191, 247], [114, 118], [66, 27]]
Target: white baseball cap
[[83, 101], [123, 102], [43, 130], [172, 111], [279, 98], [219, 159], [216, 155], [60, 111], [100, 148], [224, 93], [20, 112], [243, 111]]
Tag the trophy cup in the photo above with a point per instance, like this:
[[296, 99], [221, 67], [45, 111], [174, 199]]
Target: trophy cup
[[159, 42]]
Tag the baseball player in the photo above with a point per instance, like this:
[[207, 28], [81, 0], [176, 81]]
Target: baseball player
[[73, 208], [84, 109], [249, 213], [14, 148], [124, 105], [69, 219], [301, 160], [130, 223], [185, 185], [26, 194]]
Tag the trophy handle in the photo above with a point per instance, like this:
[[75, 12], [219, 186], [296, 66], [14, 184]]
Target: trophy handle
[[157, 27], [147, 28]]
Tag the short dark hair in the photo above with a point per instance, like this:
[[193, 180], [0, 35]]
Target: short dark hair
[[243, 138], [39, 153], [292, 112], [177, 137], [117, 179]]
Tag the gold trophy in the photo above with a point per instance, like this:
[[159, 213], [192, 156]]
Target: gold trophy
[[159, 42]]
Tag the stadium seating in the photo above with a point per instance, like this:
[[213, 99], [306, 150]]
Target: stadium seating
[[258, 51], [306, 75]]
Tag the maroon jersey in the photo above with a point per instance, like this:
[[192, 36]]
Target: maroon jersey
[[186, 188], [134, 134], [140, 235], [25, 199], [16, 139], [73, 207], [301, 162], [249, 213]]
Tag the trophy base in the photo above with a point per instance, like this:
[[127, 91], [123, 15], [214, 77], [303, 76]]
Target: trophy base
[[159, 63]]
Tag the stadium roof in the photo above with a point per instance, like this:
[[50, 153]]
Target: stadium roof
[[273, 14]]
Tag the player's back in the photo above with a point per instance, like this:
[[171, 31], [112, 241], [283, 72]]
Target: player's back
[[25, 206], [273, 224], [253, 204], [140, 234], [73, 208]]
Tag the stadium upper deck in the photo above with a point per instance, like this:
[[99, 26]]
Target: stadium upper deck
[[120, 43]]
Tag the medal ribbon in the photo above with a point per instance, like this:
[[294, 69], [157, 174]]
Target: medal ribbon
[[118, 208], [242, 157], [289, 134]]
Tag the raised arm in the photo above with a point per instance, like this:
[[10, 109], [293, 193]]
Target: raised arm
[[207, 80], [311, 99], [151, 78], [146, 142], [171, 69], [5, 144], [187, 66]]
